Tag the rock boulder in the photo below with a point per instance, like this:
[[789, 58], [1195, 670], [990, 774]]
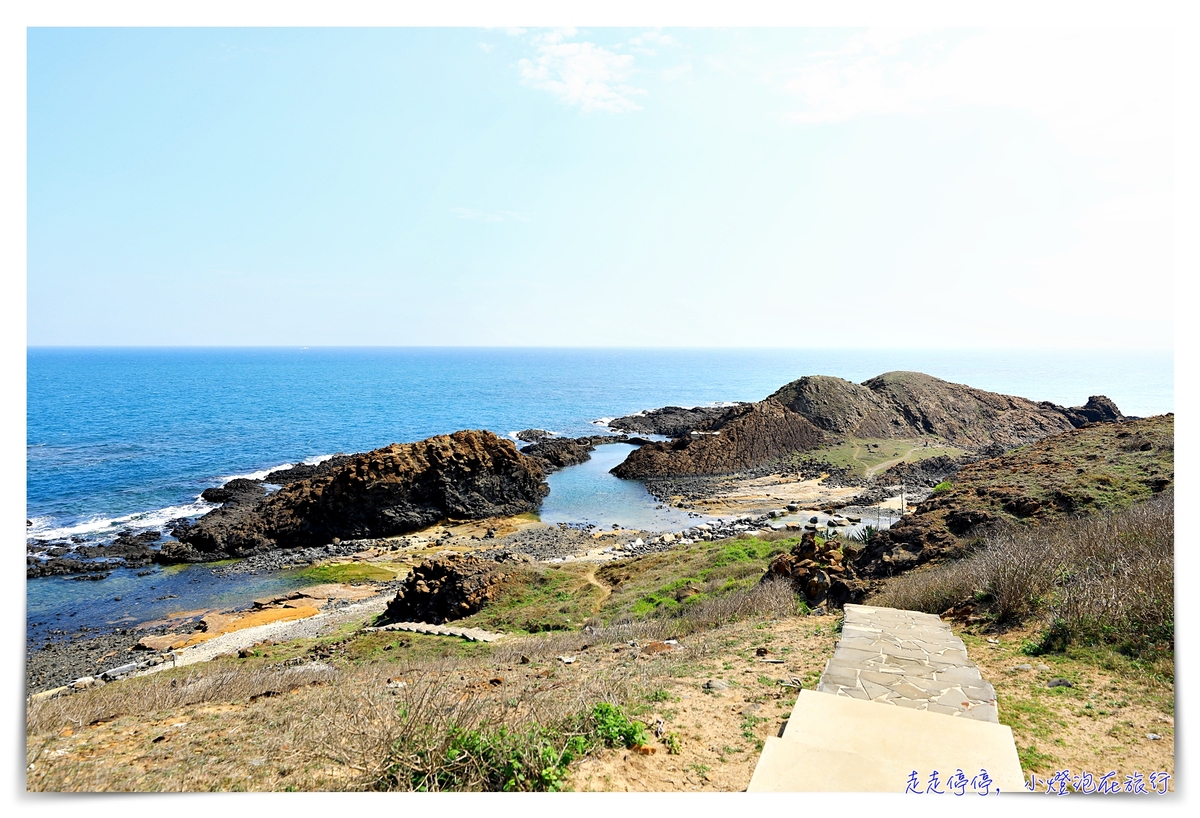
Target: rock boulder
[[382, 493], [445, 589]]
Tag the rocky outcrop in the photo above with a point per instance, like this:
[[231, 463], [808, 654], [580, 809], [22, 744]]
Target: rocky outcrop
[[743, 437], [531, 435], [305, 471], [928, 472], [559, 452], [818, 573], [842, 407], [382, 493], [1095, 468], [1098, 409], [236, 492], [672, 421], [912, 404], [444, 589], [819, 408], [128, 550]]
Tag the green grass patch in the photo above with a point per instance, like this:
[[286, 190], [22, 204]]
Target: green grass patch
[[538, 599], [1032, 760], [666, 582], [343, 572], [858, 455]]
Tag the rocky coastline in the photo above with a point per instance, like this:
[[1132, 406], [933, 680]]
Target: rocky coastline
[[382, 500]]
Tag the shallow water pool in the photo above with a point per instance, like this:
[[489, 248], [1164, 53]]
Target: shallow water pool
[[587, 493]]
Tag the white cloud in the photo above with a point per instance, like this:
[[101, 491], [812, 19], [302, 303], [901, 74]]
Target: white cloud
[[488, 215], [581, 73], [1098, 89], [677, 72], [486, 48], [554, 36], [644, 42]]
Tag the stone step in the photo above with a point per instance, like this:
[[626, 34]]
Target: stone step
[[839, 744], [907, 659]]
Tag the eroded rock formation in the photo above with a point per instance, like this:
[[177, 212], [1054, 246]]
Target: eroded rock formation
[[385, 492], [821, 409], [912, 404], [444, 589], [672, 421], [742, 437]]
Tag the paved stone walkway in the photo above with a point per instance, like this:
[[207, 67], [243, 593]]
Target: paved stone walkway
[[942, 715], [908, 659], [473, 634]]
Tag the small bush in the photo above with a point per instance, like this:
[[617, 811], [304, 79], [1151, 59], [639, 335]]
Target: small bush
[[614, 728], [671, 740], [1105, 579], [943, 487]]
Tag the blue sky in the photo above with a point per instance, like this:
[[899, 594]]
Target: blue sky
[[633, 187]]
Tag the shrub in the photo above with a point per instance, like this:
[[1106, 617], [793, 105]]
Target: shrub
[[1105, 579], [614, 729], [942, 487]]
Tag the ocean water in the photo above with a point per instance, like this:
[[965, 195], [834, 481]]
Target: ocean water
[[128, 438]]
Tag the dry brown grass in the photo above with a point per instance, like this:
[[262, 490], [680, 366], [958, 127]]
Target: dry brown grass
[[404, 722], [1107, 578]]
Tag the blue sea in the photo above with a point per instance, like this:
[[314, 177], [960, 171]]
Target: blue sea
[[128, 438]]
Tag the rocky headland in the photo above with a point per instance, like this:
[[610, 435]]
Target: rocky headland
[[1092, 469], [742, 437], [554, 453], [819, 409], [386, 492], [672, 421]]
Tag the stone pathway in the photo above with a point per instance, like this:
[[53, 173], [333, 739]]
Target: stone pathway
[[907, 659], [473, 634], [941, 715]]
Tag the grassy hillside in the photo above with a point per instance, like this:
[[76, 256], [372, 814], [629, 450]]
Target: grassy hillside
[[1096, 468]]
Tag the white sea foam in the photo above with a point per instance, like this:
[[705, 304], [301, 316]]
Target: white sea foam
[[603, 421], [97, 525], [262, 473], [254, 475]]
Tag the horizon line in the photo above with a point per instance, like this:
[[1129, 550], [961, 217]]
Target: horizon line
[[891, 348]]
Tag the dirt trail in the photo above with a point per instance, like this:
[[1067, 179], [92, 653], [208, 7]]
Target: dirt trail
[[590, 576], [887, 464]]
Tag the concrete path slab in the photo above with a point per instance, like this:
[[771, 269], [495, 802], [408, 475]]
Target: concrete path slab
[[899, 702], [910, 659], [839, 744]]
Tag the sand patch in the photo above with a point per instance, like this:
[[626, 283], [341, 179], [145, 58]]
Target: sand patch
[[759, 495]]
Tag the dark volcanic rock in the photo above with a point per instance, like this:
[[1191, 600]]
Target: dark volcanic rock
[[443, 589], [532, 435], [843, 407], [912, 404], [817, 573], [59, 566], [672, 421], [1098, 409], [386, 492], [239, 490], [928, 472], [743, 437], [305, 471], [558, 453]]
